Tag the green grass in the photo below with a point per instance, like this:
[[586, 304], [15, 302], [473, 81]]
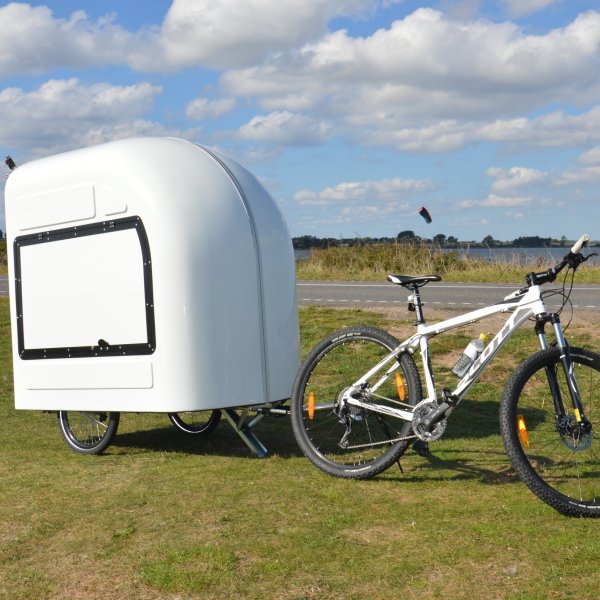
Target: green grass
[[375, 262], [164, 515]]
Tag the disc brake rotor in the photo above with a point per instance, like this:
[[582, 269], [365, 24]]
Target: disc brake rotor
[[573, 436]]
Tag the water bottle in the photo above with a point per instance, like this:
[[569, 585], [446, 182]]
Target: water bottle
[[472, 351]]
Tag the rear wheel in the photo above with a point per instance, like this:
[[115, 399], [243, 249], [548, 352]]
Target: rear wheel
[[88, 432], [557, 458], [198, 422], [344, 440]]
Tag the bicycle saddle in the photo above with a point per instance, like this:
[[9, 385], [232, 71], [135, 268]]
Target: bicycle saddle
[[408, 280]]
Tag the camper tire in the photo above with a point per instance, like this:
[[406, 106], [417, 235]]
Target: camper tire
[[88, 432], [198, 422]]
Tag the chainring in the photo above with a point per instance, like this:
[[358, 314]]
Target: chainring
[[420, 413]]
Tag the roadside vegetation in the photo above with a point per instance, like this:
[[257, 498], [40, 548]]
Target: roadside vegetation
[[3, 258], [374, 262], [164, 515]]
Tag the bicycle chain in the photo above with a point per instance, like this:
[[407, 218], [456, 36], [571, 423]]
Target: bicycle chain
[[384, 442], [400, 439]]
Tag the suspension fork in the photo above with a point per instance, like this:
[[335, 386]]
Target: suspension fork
[[567, 364]]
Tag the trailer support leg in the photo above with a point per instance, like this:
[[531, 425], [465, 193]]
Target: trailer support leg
[[243, 427]]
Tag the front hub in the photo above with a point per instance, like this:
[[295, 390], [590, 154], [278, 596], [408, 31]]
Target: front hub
[[575, 435]]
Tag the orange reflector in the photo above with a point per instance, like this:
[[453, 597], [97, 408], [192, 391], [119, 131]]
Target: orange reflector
[[311, 405], [400, 387], [522, 428]]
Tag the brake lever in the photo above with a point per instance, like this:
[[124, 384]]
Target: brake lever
[[574, 260]]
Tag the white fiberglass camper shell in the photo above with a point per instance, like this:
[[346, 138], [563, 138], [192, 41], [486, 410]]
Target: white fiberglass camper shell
[[148, 275]]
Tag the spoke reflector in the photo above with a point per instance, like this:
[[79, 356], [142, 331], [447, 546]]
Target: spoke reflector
[[311, 405], [522, 427], [400, 387]]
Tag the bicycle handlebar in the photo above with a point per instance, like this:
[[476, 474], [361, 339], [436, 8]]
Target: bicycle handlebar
[[580, 243], [573, 259]]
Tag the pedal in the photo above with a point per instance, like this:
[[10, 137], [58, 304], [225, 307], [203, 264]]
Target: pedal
[[421, 448]]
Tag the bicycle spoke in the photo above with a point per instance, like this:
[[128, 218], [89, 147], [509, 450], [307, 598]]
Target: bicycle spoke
[[561, 461], [350, 440]]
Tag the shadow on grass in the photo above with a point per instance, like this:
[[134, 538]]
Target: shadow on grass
[[473, 420], [276, 436], [465, 468], [469, 465]]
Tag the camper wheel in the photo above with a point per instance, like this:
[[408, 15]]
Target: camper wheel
[[199, 422], [88, 432]]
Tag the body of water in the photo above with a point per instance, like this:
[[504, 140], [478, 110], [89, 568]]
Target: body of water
[[520, 255]]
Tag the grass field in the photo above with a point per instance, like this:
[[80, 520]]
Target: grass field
[[162, 515], [374, 262]]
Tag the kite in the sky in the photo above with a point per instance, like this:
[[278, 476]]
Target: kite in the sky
[[425, 214]]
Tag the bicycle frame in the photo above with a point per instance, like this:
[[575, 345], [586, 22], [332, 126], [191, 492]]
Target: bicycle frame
[[522, 305]]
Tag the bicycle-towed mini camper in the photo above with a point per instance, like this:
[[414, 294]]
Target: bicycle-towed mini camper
[[148, 275]]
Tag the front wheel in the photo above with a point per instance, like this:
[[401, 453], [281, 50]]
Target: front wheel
[[344, 440], [88, 432], [198, 422], [558, 458]]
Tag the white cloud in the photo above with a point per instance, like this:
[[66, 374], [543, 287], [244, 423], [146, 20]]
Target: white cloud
[[522, 8], [503, 202], [495, 201], [203, 108], [220, 34], [426, 83], [588, 173], [513, 178], [591, 157], [444, 62], [231, 33], [430, 83], [554, 130], [33, 41], [461, 9], [381, 191], [63, 114], [582, 175], [285, 128]]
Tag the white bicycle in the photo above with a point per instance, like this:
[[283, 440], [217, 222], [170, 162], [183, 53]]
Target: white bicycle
[[358, 400]]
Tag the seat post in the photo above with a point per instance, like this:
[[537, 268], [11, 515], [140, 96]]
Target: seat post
[[417, 304]]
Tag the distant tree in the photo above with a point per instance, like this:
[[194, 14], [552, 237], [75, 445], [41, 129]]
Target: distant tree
[[532, 241], [488, 241], [304, 241], [439, 239], [451, 240], [563, 241], [406, 236]]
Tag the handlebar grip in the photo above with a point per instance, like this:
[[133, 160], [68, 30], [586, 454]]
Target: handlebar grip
[[580, 243]]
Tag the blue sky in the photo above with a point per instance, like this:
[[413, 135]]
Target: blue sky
[[353, 113]]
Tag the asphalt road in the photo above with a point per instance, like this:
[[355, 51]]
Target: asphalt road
[[459, 296]]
